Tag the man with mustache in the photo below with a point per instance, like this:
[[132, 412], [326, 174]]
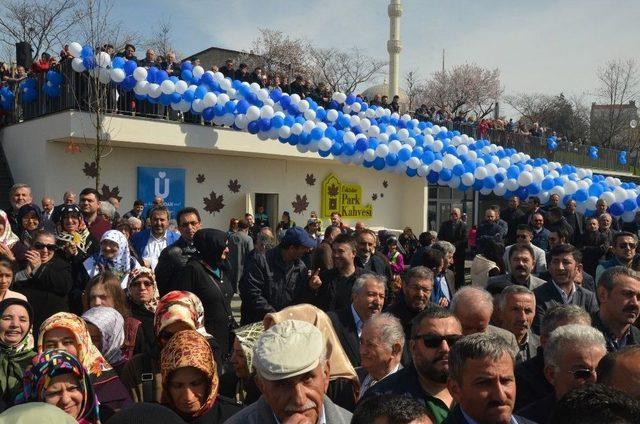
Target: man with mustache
[[570, 360], [521, 263], [414, 297], [566, 263], [619, 296], [481, 381], [517, 307], [433, 332], [367, 299], [292, 372], [624, 247]]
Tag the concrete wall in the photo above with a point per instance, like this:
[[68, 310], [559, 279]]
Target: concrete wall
[[37, 156]]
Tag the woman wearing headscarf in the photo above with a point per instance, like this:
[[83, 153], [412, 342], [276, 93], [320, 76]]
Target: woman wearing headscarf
[[344, 384], [143, 297], [69, 332], [190, 380], [204, 276], [239, 382], [16, 346], [7, 237], [113, 256], [29, 222], [176, 311], [106, 327], [58, 378]]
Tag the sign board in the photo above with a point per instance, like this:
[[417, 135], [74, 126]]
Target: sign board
[[343, 198], [168, 183]]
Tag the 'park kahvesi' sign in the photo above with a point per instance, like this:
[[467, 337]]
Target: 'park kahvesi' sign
[[343, 198]]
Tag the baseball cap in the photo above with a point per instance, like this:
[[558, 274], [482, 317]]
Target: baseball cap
[[297, 236]]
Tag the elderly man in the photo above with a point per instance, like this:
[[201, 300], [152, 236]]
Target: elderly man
[[601, 209], [455, 232], [473, 307], [517, 307], [447, 282], [566, 263], [292, 372], [521, 263], [489, 229], [367, 299], [19, 195], [416, 292], [570, 358], [540, 233], [530, 379], [481, 381], [624, 246], [619, 298], [367, 257], [621, 370], [433, 333], [524, 236], [381, 346]]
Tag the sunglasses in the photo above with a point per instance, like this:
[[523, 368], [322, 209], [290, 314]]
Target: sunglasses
[[140, 283], [433, 341], [582, 374], [41, 246], [626, 246]]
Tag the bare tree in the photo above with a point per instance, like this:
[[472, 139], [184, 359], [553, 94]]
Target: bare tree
[[619, 84], [344, 70], [465, 88], [44, 24], [533, 107], [161, 40], [414, 88]]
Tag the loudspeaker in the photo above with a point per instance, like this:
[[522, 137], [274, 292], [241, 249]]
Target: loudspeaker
[[23, 54]]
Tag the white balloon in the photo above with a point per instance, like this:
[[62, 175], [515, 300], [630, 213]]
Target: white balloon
[[140, 73], [382, 150], [296, 129], [104, 76], [77, 65], [210, 100], [75, 49], [253, 113], [308, 126], [225, 84], [339, 97], [154, 90], [413, 163], [369, 155], [437, 146], [325, 144], [103, 59], [117, 75], [168, 87], [303, 105], [436, 165], [295, 99], [480, 173], [223, 98], [500, 189], [395, 146], [332, 115], [525, 178], [620, 194], [141, 88], [181, 87], [197, 105], [266, 112], [467, 179], [263, 95], [511, 184], [608, 197], [284, 131], [198, 71], [423, 170]]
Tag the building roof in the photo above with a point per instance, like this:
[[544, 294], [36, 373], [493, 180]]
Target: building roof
[[383, 90], [630, 105]]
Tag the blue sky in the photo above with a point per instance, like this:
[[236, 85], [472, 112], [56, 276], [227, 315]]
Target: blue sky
[[543, 46]]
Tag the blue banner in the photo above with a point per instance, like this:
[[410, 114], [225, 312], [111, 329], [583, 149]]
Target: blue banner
[[168, 183]]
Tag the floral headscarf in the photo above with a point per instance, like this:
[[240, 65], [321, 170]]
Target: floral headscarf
[[122, 262], [111, 326], [51, 364], [14, 358], [180, 306], [78, 238], [247, 336], [189, 349], [88, 354], [8, 238], [147, 272]]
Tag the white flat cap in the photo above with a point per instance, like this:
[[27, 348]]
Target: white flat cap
[[288, 349]]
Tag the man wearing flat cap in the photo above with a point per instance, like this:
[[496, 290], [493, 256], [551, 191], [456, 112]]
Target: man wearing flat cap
[[292, 372]]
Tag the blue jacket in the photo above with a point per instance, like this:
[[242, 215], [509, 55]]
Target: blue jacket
[[139, 240], [541, 239]]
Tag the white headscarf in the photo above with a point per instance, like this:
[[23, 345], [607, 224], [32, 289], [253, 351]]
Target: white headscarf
[[111, 326], [8, 238]]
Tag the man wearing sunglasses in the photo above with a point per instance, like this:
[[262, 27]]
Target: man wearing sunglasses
[[434, 331], [624, 248], [570, 357]]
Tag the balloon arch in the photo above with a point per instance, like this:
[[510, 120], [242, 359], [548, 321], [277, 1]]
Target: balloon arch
[[353, 132]]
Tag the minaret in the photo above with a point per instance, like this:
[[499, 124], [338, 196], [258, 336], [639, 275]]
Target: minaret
[[394, 46]]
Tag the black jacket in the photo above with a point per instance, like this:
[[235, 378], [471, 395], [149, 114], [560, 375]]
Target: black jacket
[[530, 381], [378, 264], [171, 261], [269, 284], [345, 326], [333, 294], [145, 317], [547, 296], [540, 411], [455, 234], [456, 417]]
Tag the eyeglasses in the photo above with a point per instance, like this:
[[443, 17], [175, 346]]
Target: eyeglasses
[[41, 246], [626, 245], [432, 341], [582, 374]]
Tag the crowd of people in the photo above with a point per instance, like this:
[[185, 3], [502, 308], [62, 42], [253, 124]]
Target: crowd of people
[[110, 317]]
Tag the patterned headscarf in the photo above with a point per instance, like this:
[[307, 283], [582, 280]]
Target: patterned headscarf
[[151, 305], [189, 349], [111, 326], [78, 238], [122, 262], [180, 306], [88, 354], [14, 358], [51, 364], [8, 238], [247, 336]]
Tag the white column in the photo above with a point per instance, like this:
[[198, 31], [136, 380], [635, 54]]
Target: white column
[[394, 46]]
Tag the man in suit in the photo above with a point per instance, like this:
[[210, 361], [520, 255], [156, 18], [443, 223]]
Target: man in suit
[[487, 358], [524, 235], [367, 299], [444, 282], [240, 244], [540, 233], [530, 380], [566, 263], [368, 258], [576, 220], [570, 361], [521, 263], [517, 307], [473, 307], [512, 215], [292, 372], [149, 243], [381, 348], [455, 232]]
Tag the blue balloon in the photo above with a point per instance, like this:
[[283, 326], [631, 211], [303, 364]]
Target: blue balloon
[[88, 62], [276, 121], [208, 114], [165, 99], [404, 155], [253, 127], [348, 149], [629, 205], [316, 133], [433, 177], [458, 169], [337, 148], [428, 157], [189, 96], [581, 195], [118, 62], [161, 76], [176, 97], [265, 124], [242, 106], [391, 159], [54, 77], [513, 172], [230, 107], [616, 209], [86, 52], [129, 83], [379, 164], [152, 74], [548, 183], [446, 174], [489, 182], [186, 66], [187, 76], [130, 66], [411, 172]]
